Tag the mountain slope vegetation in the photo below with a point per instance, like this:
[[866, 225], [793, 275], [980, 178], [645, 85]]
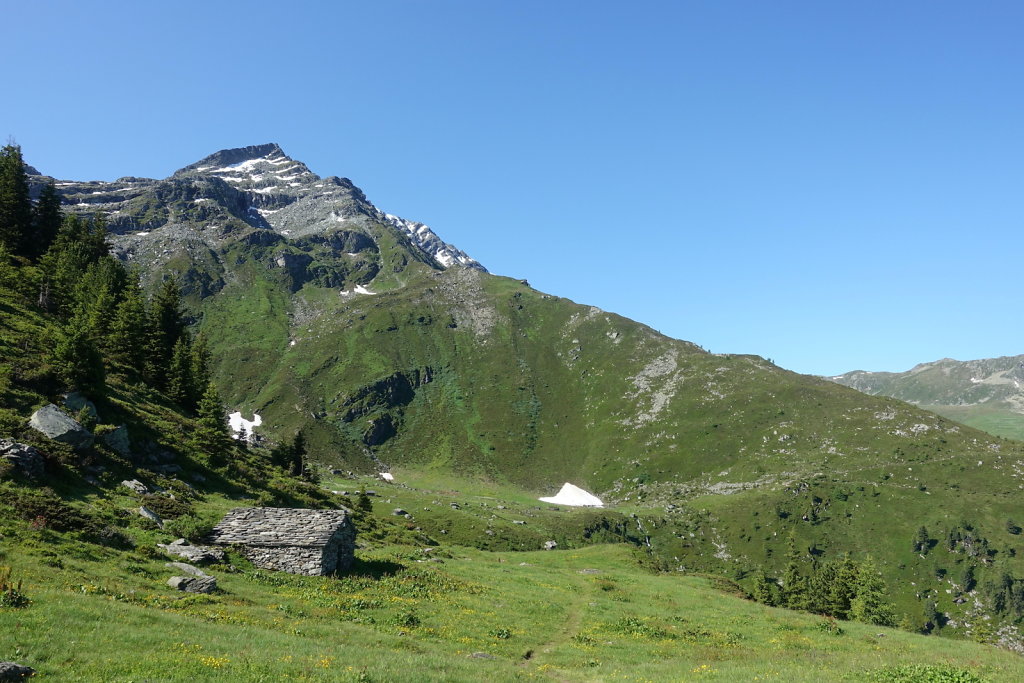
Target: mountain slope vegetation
[[390, 350], [986, 394]]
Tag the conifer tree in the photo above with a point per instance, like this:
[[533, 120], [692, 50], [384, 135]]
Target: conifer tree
[[76, 359], [15, 204], [47, 218], [212, 436], [167, 326], [921, 541], [794, 585], [843, 588], [199, 367], [870, 605], [129, 332], [180, 386], [765, 591]]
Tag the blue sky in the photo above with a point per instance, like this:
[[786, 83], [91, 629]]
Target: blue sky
[[835, 186]]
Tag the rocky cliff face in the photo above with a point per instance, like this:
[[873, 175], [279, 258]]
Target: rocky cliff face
[[256, 194]]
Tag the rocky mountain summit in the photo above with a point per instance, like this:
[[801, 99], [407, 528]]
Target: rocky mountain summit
[[986, 393], [256, 194]]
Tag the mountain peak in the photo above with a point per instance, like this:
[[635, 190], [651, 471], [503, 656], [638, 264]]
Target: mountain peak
[[238, 155]]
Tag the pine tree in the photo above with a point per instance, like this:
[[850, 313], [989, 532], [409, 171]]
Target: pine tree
[[843, 589], [76, 359], [180, 386], [921, 541], [819, 585], [15, 204], [129, 332], [794, 585], [199, 367], [765, 591], [869, 605], [47, 218], [167, 326], [212, 436]]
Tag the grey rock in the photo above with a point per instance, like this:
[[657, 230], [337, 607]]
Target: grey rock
[[24, 457], [187, 568], [518, 521], [193, 584], [75, 401], [192, 553], [55, 424], [10, 671], [136, 486], [119, 441], [550, 545], [398, 512], [149, 514], [590, 571], [481, 655]]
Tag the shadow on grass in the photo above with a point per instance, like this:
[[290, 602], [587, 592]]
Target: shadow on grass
[[375, 569]]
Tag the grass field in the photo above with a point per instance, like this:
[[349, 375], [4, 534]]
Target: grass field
[[413, 611]]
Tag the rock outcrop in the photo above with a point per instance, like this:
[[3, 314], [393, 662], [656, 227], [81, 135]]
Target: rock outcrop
[[55, 424], [24, 457]]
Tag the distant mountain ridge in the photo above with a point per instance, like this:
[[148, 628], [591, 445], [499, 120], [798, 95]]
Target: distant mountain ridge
[[986, 393], [257, 187]]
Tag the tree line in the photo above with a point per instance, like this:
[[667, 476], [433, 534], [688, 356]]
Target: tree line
[[103, 320]]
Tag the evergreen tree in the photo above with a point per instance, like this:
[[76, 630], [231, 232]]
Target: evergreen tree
[[47, 218], [869, 605], [819, 585], [843, 589], [921, 541], [967, 580], [212, 436], [129, 332], [794, 585], [166, 325], [765, 591], [932, 616], [180, 387], [199, 367], [76, 359], [15, 204]]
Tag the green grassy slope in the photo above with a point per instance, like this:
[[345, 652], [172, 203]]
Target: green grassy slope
[[985, 394], [452, 614]]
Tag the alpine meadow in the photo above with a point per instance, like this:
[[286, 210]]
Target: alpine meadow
[[754, 523]]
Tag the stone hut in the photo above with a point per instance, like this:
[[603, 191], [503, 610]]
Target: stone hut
[[311, 542]]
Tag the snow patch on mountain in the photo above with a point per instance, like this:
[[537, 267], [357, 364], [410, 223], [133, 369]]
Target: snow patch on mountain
[[427, 240]]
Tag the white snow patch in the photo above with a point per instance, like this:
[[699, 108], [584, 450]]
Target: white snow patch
[[142, 234], [201, 200], [574, 496], [238, 422], [363, 290], [291, 343]]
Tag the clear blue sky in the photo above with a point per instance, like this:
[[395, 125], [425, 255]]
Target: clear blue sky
[[835, 186]]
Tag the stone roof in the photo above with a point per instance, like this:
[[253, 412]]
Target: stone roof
[[278, 527]]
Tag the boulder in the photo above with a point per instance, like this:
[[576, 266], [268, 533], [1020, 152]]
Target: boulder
[[118, 441], [24, 457], [9, 671], [193, 584], [187, 568], [75, 401], [136, 486], [192, 553], [550, 545], [55, 424], [149, 514]]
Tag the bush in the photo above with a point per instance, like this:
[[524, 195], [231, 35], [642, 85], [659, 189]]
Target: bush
[[923, 673], [189, 527], [10, 593], [45, 510], [166, 507]]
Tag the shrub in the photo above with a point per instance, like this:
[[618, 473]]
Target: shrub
[[189, 527], [923, 673], [166, 507], [46, 510], [10, 593]]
